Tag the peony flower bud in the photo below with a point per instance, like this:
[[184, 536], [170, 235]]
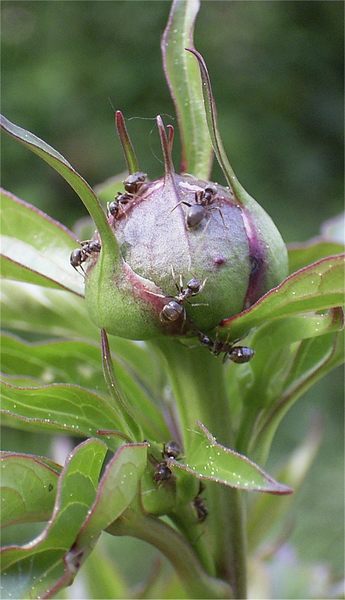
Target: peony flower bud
[[190, 254]]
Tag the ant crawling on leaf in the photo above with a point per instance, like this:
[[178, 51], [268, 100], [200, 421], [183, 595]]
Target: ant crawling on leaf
[[162, 472], [132, 185], [80, 255], [202, 206], [200, 504], [237, 354]]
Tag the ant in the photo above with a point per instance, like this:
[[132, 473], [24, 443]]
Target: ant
[[132, 185], [174, 309], [237, 354], [200, 504], [162, 472], [203, 205], [80, 255], [134, 182]]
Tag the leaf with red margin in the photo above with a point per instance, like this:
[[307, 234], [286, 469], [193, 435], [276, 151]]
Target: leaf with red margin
[[116, 490], [316, 287], [36, 248], [28, 488], [183, 79], [31, 570], [210, 460]]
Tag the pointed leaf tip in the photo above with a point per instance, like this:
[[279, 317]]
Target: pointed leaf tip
[[211, 117], [166, 144], [212, 461], [128, 149]]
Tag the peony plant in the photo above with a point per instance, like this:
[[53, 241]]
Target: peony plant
[[176, 429]]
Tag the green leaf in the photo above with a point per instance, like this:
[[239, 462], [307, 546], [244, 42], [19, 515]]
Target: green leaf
[[36, 248], [262, 382], [263, 378], [31, 570], [313, 359], [76, 181], [183, 80], [207, 459], [70, 361], [316, 287], [28, 488], [39, 310], [302, 255], [116, 490], [267, 511], [53, 361], [58, 407]]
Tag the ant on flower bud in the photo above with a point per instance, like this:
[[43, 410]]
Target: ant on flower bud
[[80, 255], [132, 185], [237, 354], [134, 182], [174, 309], [202, 206]]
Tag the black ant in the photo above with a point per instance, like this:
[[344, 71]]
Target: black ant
[[134, 182], [132, 185], [174, 309], [80, 255], [200, 504], [162, 472], [203, 205], [237, 354], [118, 203]]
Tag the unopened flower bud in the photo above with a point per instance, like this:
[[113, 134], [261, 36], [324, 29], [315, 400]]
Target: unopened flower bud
[[191, 255]]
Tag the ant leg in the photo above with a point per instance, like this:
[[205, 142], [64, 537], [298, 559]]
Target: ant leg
[[174, 278], [221, 214], [202, 285], [83, 274], [157, 295], [225, 357], [178, 204]]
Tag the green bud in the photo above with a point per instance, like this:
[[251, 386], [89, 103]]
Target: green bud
[[191, 254]]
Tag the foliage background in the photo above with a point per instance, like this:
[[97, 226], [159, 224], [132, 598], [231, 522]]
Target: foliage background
[[277, 74]]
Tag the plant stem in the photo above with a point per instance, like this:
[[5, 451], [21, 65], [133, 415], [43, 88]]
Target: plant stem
[[197, 379], [176, 549], [186, 522]]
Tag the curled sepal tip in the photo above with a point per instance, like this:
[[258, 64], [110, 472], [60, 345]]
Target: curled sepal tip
[[166, 142], [211, 116], [130, 156]]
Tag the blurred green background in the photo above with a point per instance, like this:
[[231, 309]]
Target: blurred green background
[[277, 74]]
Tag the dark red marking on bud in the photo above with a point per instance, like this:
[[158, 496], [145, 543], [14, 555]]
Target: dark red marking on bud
[[219, 261], [257, 257]]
